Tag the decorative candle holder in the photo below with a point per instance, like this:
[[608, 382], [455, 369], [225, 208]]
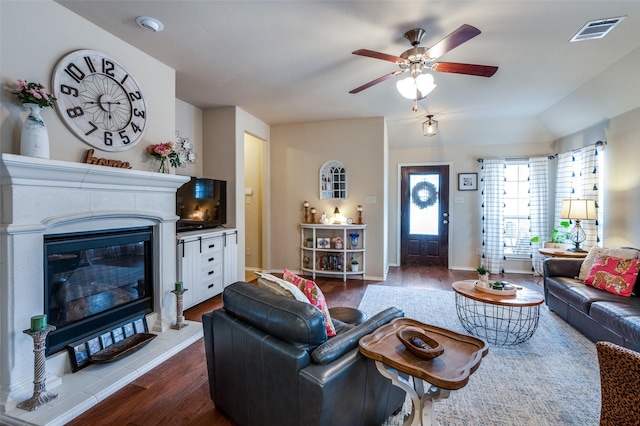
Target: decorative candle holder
[[359, 210], [313, 215], [306, 211], [40, 394], [179, 317]]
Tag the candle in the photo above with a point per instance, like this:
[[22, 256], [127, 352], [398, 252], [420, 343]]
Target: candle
[[306, 204], [39, 322], [359, 208], [313, 210], [179, 286]]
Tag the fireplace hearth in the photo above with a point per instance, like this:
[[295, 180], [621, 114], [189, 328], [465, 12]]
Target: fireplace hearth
[[46, 202]]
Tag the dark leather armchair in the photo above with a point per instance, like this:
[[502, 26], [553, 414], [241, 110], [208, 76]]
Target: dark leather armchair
[[270, 363]]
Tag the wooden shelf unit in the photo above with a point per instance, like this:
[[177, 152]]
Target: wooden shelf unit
[[330, 260]]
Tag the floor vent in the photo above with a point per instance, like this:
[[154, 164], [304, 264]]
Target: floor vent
[[597, 29]]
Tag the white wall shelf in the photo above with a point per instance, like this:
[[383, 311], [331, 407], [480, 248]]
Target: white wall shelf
[[326, 259]]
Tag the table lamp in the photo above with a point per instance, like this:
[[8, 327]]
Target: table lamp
[[578, 210]]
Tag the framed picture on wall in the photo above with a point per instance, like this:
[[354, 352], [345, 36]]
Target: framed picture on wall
[[467, 181]]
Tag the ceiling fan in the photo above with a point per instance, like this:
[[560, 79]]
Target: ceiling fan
[[418, 58]]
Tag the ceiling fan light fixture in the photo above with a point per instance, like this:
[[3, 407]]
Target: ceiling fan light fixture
[[425, 84], [416, 88], [430, 127]]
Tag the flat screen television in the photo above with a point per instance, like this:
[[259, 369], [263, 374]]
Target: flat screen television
[[201, 203]]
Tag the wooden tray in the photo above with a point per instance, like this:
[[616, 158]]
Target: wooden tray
[[451, 370], [122, 348], [505, 292]]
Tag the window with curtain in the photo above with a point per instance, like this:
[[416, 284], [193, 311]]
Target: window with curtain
[[514, 208], [579, 176], [517, 224]]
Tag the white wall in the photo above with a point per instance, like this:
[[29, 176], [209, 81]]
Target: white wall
[[224, 130], [32, 55], [297, 153], [189, 125]]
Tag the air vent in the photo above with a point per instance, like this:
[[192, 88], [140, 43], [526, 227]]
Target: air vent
[[596, 29]]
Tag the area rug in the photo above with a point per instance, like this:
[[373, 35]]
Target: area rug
[[551, 379]]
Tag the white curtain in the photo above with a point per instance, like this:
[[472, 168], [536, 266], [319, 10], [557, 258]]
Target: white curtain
[[493, 215], [564, 183], [538, 206], [590, 176]]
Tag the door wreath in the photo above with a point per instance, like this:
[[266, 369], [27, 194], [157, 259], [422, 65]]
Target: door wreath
[[424, 195]]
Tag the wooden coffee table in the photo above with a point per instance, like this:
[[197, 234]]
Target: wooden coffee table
[[450, 371], [501, 320]]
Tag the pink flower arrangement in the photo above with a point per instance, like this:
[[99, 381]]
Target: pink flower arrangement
[[33, 93], [165, 151]]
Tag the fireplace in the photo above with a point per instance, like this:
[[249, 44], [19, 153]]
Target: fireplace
[[50, 210], [95, 280]]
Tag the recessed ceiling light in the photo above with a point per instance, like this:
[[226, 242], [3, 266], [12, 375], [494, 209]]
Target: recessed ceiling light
[[149, 23]]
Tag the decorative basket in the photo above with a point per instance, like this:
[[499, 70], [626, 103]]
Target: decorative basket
[[414, 340]]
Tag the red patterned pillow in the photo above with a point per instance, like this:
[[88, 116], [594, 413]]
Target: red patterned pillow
[[613, 274], [315, 296]]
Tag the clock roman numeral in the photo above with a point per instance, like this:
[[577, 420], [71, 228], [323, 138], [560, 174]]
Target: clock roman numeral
[[92, 68]]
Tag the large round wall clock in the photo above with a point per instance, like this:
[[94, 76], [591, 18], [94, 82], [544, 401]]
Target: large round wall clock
[[99, 100]]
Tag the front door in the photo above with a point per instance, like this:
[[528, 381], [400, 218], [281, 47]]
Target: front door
[[424, 236]]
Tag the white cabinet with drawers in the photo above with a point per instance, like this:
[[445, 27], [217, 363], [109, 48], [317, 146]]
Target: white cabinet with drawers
[[206, 263]]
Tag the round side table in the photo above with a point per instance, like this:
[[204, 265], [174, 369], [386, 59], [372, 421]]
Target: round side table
[[500, 320]]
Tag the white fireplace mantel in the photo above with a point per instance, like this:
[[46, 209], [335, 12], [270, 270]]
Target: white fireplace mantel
[[43, 197]]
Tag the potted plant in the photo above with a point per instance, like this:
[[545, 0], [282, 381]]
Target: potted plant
[[310, 242], [483, 273], [559, 237], [355, 267]]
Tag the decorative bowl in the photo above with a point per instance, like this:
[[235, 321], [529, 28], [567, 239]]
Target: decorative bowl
[[419, 343]]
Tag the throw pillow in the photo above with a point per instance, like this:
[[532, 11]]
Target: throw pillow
[[596, 251], [614, 275], [281, 287], [315, 296]]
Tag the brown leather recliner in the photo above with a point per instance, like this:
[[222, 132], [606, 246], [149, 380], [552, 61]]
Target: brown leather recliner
[[270, 363]]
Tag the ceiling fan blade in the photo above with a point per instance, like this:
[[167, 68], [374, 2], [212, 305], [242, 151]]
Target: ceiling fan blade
[[469, 69], [456, 38], [378, 55], [376, 81]]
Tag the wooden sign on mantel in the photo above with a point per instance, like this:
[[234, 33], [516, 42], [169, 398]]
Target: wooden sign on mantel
[[90, 159]]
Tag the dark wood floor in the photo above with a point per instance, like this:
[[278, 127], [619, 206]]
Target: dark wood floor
[[177, 393]]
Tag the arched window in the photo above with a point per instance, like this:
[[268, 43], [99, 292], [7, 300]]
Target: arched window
[[333, 181]]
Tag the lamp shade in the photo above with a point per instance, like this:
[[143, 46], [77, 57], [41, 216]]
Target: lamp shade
[[416, 88], [579, 209]]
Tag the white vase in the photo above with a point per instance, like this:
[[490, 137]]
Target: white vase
[[355, 268], [35, 138]]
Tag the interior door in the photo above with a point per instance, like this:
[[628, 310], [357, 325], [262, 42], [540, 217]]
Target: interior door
[[424, 236]]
